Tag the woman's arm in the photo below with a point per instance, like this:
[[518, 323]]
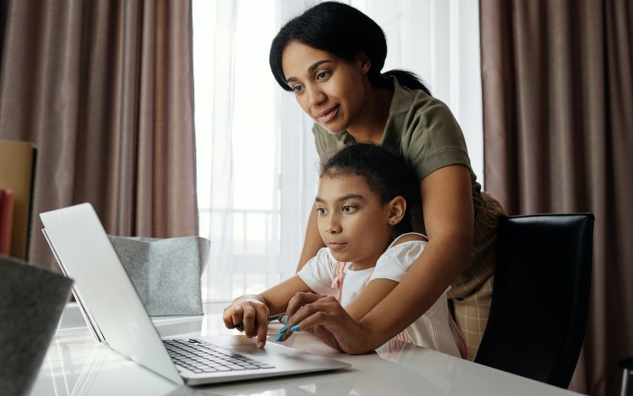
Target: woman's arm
[[313, 241], [369, 297], [449, 222]]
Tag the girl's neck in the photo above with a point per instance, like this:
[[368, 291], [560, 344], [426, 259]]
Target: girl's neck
[[361, 267], [370, 127], [370, 260]]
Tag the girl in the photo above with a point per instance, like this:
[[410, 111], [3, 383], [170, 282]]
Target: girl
[[331, 58], [362, 218]]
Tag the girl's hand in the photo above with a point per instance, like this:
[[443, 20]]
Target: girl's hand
[[250, 315], [325, 318]]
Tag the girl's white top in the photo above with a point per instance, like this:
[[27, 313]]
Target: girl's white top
[[435, 329]]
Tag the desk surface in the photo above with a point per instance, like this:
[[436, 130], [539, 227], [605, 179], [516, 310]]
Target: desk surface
[[77, 365]]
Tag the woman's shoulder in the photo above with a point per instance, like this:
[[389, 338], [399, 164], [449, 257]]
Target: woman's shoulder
[[406, 99], [327, 142], [425, 131], [417, 116]]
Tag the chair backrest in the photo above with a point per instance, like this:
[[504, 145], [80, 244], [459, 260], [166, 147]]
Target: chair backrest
[[540, 297]]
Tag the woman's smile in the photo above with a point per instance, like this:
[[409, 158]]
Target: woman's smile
[[327, 116]]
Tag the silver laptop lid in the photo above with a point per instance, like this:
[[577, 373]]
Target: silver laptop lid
[[83, 248]]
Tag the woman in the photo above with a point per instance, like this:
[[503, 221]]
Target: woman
[[331, 57]]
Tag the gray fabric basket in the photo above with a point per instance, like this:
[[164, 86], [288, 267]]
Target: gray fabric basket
[[32, 300], [165, 272]]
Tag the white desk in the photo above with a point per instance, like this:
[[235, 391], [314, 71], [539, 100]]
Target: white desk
[[77, 365]]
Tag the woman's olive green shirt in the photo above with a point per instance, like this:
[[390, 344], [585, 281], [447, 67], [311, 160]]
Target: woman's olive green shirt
[[423, 130]]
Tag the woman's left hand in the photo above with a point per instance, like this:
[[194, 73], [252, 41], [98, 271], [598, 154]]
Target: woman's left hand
[[325, 318]]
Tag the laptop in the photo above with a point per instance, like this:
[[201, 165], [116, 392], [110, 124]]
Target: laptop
[[83, 250]]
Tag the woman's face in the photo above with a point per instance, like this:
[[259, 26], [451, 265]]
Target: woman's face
[[352, 220], [329, 89]]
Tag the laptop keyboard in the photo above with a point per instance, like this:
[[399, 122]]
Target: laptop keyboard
[[202, 357]]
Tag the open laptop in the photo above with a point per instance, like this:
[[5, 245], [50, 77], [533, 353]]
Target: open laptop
[[83, 250]]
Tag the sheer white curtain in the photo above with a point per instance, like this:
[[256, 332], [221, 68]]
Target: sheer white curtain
[[256, 159], [439, 41]]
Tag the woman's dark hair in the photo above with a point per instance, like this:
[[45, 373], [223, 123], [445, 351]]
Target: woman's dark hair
[[386, 174], [344, 31]]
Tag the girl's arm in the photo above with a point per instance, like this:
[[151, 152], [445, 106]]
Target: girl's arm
[[377, 289], [449, 222], [250, 312], [312, 243]]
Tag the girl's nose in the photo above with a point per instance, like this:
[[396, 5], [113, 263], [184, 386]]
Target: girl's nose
[[333, 226]]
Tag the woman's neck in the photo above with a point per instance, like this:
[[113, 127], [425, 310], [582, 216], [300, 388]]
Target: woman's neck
[[370, 127]]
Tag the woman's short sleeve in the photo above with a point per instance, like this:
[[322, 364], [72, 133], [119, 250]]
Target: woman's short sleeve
[[327, 142], [426, 133]]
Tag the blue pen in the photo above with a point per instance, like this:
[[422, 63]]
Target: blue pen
[[284, 329]]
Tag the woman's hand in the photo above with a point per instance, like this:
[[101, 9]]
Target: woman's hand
[[325, 318], [250, 315]]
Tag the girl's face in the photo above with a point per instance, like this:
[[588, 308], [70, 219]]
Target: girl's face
[[329, 89], [352, 221]]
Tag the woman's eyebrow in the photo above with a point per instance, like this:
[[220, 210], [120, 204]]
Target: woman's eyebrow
[[317, 64], [312, 68]]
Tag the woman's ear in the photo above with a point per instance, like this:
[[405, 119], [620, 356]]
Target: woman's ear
[[363, 62], [397, 210]]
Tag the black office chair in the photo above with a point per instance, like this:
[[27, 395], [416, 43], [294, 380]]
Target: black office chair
[[541, 296], [627, 370]]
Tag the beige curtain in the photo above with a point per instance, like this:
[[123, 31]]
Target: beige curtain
[[104, 88], [558, 128]]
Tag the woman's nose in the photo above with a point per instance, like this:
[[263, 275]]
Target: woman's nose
[[315, 97]]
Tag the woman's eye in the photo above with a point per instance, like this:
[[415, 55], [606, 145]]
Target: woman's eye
[[320, 210], [297, 89], [348, 208], [322, 75]]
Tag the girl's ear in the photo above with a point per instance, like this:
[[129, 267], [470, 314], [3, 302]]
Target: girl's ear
[[397, 209], [363, 62]]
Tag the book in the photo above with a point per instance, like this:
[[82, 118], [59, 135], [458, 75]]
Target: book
[[17, 173], [6, 220]]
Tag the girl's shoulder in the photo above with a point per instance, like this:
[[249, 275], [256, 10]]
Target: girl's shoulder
[[409, 237], [325, 255], [402, 252], [410, 243]]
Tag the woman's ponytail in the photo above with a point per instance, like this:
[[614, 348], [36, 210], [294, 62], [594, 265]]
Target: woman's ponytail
[[407, 79]]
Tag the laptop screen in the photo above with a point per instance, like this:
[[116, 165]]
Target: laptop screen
[[83, 249]]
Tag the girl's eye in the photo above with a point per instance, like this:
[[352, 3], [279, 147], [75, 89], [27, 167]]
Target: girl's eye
[[349, 208], [320, 210], [297, 89]]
